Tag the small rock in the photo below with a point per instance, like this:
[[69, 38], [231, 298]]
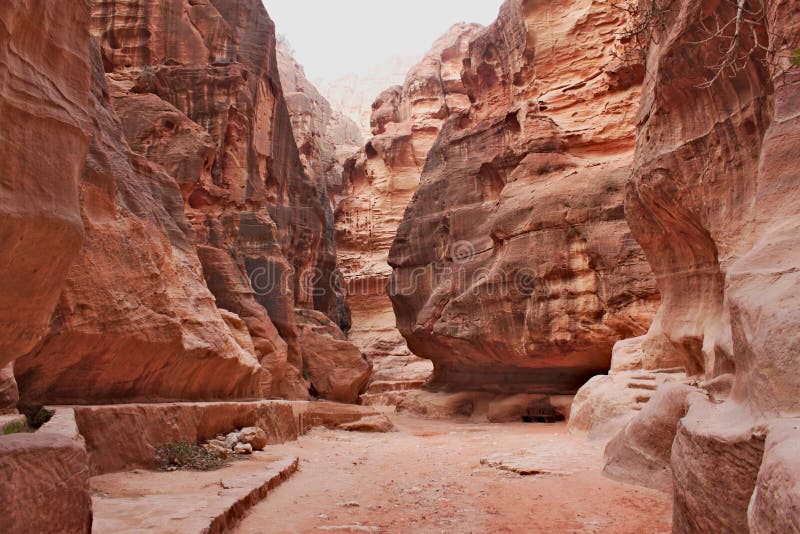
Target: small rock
[[349, 504], [254, 436], [232, 439], [243, 448], [372, 423]]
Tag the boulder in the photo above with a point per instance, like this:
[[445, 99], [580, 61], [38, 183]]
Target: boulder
[[254, 436], [335, 367]]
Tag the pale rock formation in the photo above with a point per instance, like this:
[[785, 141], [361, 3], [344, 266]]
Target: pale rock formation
[[353, 94], [379, 182], [44, 110], [335, 367], [713, 202], [514, 268]]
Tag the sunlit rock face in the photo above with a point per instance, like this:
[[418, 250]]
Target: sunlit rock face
[[713, 202], [44, 111], [379, 181], [197, 87], [514, 268]]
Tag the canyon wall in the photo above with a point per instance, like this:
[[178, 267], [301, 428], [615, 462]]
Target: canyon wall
[[44, 102], [713, 202], [325, 137], [183, 237], [514, 269], [378, 183]]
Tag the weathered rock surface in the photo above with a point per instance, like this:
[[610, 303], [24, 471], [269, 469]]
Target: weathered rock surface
[[44, 109], [135, 320], [46, 479], [126, 436], [775, 505], [514, 268], [380, 180], [640, 453], [325, 137], [199, 92], [9, 393], [713, 202], [335, 367]]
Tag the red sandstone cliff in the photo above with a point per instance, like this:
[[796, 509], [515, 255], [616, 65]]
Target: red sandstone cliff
[[44, 102], [713, 202], [379, 181], [325, 137], [514, 268]]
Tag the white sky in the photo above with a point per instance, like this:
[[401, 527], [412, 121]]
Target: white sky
[[336, 37]]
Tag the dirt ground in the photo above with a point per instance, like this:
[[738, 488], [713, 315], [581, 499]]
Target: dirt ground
[[428, 477]]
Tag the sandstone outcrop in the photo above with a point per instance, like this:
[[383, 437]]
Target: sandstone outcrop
[[514, 269], [379, 181], [325, 137], [135, 320], [9, 393], [712, 200], [335, 367], [44, 104], [199, 163]]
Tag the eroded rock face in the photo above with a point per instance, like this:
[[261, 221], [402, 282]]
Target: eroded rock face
[[335, 367], [135, 320], [713, 202], [514, 268], [44, 102], [379, 181], [198, 90], [325, 137]]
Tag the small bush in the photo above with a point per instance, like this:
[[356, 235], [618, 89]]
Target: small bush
[[41, 417], [188, 456], [796, 58], [15, 428]]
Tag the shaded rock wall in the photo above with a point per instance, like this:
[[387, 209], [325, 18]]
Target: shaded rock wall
[[514, 268], [325, 137], [135, 319]]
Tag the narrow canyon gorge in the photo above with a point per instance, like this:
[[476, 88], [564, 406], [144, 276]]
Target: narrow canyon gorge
[[544, 277]]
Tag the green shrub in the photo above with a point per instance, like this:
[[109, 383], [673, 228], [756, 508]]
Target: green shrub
[[795, 59], [15, 428], [188, 456]]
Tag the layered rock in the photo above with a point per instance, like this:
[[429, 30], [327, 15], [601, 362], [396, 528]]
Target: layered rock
[[514, 268], [44, 103], [379, 181], [325, 137], [135, 320], [198, 91], [712, 200]]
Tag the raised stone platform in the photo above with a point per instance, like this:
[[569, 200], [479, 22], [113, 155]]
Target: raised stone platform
[[125, 436], [185, 501]]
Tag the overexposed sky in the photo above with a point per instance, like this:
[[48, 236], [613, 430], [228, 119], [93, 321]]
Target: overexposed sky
[[336, 37]]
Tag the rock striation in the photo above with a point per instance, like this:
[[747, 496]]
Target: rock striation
[[379, 181], [712, 200], [325, 137], [193, 121], [514, 269], [44, 102]]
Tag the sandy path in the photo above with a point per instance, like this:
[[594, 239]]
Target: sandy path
[[427, 477]]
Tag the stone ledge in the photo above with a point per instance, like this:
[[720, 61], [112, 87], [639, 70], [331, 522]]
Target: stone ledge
[[186, 501]]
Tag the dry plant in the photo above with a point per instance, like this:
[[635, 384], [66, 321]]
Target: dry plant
[[741, 34]]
